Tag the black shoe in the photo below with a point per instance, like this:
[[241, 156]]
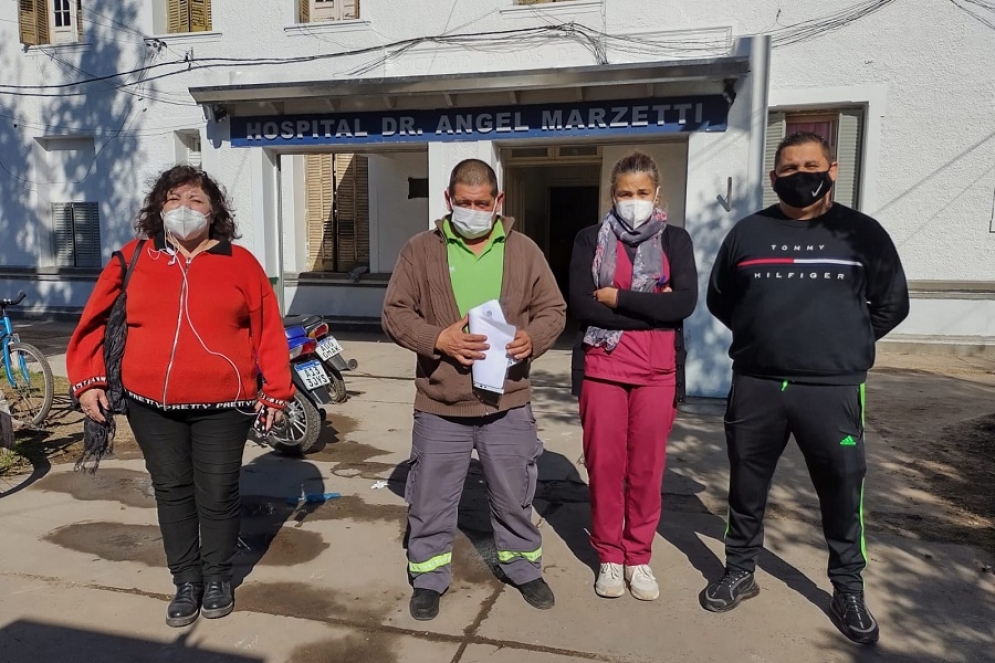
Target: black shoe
[[538, 594], [185, 606], [725, 594], [853, 618], [218, 599], [424, 605]]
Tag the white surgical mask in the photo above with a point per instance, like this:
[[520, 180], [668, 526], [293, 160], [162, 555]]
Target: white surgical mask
[[184, 223], [472, 224]]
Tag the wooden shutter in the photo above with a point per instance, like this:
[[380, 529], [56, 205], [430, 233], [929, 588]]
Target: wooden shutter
[[86, 234], [200, 15], [62, 234], [79, 19], [350, 9], [848, 151], [42, 20], [304, 11], [178, 16], [775, 134], [318, 185], [352, 211], [27, 18]]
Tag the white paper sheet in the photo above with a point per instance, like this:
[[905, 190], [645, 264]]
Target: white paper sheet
[[488, 320]]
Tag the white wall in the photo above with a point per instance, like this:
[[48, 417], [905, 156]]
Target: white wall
[[955, 317], [394, 219], [339, 301]]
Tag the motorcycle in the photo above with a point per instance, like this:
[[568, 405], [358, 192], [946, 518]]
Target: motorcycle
[[329, 351], [297, 432]]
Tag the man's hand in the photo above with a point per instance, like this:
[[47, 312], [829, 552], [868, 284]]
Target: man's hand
[[607, 296], [91, 401], [464, 348], [521, 347]]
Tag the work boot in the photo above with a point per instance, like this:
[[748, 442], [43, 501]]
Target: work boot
[[537, 594], [185, 606], [725, 594], [218, 599], [610, 584], [853, 618], [424, 605], [642, 582]]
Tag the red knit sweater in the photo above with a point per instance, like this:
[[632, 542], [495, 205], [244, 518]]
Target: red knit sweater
[[197, 331]]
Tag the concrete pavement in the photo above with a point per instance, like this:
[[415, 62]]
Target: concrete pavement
[[83, 577]]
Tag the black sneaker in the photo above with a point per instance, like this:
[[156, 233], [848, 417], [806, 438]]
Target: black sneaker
[[218, 599], [424, 605], [725, 594], [538, 594], [853, 618], [185, 606]]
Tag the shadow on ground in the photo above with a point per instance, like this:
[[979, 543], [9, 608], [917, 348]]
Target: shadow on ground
[[48, 643]]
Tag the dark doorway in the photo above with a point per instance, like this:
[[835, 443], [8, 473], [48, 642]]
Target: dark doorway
[[571, 209]]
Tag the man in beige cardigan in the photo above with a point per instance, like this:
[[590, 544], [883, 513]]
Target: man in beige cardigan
[[472, 256]]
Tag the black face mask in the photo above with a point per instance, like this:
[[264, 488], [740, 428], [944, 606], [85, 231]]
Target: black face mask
[[803, 189]]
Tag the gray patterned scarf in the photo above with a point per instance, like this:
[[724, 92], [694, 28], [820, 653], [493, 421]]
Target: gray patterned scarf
[[647, 269]]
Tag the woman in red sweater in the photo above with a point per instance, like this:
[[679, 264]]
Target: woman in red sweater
[[201, 317], [632, 283]]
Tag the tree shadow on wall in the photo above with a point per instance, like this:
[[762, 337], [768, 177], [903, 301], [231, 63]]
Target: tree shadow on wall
[[78, 144]]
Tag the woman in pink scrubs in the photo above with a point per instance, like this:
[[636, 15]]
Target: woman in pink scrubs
[[633, 281]]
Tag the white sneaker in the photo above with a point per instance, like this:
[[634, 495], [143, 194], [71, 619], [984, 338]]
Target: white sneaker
[[642, 583], [610, 584]]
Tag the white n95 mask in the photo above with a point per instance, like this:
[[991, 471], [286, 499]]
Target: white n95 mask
[[634, 212], [184, 223]]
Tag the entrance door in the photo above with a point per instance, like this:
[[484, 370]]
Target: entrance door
[[571, 209]]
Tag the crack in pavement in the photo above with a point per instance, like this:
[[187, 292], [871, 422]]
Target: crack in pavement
[[468, 638], [470, 631]]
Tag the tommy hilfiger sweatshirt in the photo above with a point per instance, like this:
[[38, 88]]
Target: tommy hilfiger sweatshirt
[[806, 300]]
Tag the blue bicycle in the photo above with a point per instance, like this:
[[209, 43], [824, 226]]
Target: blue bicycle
[[29, 387]]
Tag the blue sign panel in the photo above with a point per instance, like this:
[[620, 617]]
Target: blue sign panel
[[585, 119]]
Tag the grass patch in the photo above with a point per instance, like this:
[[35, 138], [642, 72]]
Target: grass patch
[[61, 429]]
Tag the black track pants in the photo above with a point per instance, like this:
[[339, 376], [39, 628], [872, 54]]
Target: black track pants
[[827, 423]]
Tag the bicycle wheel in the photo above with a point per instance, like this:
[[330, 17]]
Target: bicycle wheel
[[30, 399]]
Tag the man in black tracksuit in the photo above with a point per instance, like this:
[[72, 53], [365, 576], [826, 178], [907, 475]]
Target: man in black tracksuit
[[807, 287]]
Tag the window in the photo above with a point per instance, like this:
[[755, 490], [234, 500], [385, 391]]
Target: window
[[337, 210], [841, 127], [317, 11], [188, 16], [50, 21], [188, 148], [76, 234]]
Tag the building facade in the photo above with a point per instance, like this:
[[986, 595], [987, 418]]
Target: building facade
[[334, 124]]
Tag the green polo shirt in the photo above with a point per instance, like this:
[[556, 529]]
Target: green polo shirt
[[476, 278]]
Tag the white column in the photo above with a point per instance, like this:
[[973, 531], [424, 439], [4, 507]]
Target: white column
[[267, 238], [292, 203], [715, 159]]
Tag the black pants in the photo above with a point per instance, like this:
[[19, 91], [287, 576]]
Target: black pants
[[195, 459], [827, 423]]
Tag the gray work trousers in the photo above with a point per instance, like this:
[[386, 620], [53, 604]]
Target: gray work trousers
[[508, 448]]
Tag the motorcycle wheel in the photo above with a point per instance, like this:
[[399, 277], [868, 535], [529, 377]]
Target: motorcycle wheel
[[298, 432], [339, 393]]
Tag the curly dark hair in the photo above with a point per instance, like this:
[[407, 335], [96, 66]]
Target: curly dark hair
[[149, 221]]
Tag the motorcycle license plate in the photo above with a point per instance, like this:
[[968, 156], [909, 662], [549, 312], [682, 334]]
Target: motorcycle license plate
[[328, 348], [313, 374]]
